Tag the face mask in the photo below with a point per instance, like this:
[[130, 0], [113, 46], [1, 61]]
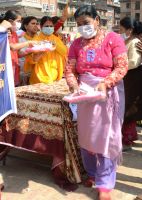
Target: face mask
[[18, 26], [124, 36], [87, 31], [47, 30]]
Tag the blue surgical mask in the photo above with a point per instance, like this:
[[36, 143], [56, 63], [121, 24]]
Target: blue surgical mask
[[47, 30]]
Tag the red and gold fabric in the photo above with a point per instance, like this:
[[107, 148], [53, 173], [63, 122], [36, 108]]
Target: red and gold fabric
[[44, 125]]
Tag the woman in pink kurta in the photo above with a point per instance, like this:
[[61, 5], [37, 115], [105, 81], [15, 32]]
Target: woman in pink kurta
[[99, 59]]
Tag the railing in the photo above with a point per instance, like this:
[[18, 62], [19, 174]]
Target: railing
[[10, 3], [62, 1], [69, 23], [7, 1], [125, 1]]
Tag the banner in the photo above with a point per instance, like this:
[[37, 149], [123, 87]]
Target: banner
[[7, 90]]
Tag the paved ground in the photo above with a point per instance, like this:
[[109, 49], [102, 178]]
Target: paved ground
[[26, 179]]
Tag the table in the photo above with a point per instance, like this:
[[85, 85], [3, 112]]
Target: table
[[43, 124]]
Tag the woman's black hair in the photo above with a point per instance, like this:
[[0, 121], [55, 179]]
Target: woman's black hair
[[88, 10], [138, 29], [1, 18], [11, 15], [26, 21], [55, 19], [44, 19], [130, 23]]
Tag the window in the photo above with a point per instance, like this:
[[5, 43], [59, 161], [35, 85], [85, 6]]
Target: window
[[137, 16], [52, 8], [128, 15], [137, 5], [45, 7], [128, 5]]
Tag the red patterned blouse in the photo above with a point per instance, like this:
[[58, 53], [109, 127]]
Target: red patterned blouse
[[103, 56]]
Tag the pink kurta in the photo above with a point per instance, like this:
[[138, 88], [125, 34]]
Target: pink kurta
[[103, 58]]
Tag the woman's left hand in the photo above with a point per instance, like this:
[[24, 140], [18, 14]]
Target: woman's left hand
[[53, 46], [139, 46], [101, 87]]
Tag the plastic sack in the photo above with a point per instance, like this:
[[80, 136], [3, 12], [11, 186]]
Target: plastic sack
[[42, 46], [85, 94]]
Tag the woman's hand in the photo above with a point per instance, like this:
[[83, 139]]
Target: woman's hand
[[9, 33], [74, 89], [101, 87], [31, 43], [139, 46]]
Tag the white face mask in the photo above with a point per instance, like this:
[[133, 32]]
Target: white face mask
[[124, 36], [87, 31], [18, 25]]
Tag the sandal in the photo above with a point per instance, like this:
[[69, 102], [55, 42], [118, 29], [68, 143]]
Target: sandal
[[89, 182]]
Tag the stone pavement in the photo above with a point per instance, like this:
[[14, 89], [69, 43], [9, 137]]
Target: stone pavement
[[27, 177]]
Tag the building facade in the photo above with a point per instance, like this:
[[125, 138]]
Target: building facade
[[37, 8], [108, 10], [25, 7], [132, 8]]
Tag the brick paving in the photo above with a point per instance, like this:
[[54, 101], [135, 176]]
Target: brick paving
[[27, 178]]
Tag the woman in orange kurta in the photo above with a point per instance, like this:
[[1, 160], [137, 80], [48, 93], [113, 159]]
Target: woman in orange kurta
[[48, 66]]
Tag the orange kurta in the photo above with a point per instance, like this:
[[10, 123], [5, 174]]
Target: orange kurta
[[50, 66]]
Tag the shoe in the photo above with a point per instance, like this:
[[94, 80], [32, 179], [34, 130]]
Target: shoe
[[89, 182]]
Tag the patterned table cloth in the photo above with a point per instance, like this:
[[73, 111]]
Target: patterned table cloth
[[44, 125]]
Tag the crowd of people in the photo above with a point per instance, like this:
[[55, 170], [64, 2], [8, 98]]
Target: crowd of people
[[105, 60]]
